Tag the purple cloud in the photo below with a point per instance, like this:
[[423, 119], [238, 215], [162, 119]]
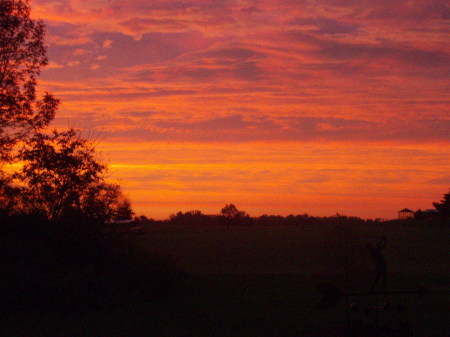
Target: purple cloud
[[326, 26], [236, 128], [383, 50]]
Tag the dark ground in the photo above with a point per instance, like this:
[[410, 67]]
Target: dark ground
[[261, 281]]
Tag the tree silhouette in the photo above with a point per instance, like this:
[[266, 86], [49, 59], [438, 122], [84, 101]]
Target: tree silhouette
[[59, 178], [60, 172], [22, 54], [232, 215], [9, 196], [58, 169], [444, 205], [105, 202], [231, 212]]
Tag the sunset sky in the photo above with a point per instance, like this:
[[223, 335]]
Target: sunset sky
[[278, 106]]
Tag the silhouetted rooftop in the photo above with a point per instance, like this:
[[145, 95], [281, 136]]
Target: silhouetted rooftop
[[406, 210]]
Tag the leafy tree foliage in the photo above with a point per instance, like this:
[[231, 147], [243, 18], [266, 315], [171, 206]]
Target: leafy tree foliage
[[444, 205], [231, 212], [59, 169], [232, 216], [9, 196], [106, 202], [22, 54], [60, 172], [59, 180]]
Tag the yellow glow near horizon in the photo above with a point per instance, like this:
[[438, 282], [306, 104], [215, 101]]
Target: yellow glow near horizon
[[278, 107]]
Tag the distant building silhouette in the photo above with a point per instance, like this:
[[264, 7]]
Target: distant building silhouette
[[405, 214]]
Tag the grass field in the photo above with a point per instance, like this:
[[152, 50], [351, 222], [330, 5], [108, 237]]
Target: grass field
[[261, 281]]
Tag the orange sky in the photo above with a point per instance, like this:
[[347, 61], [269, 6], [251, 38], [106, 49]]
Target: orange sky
[[278, 106]]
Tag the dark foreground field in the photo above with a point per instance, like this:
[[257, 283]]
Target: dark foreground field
[[261, 281]]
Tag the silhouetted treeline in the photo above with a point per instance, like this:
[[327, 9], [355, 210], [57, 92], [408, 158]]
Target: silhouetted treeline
[[196, 217]]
